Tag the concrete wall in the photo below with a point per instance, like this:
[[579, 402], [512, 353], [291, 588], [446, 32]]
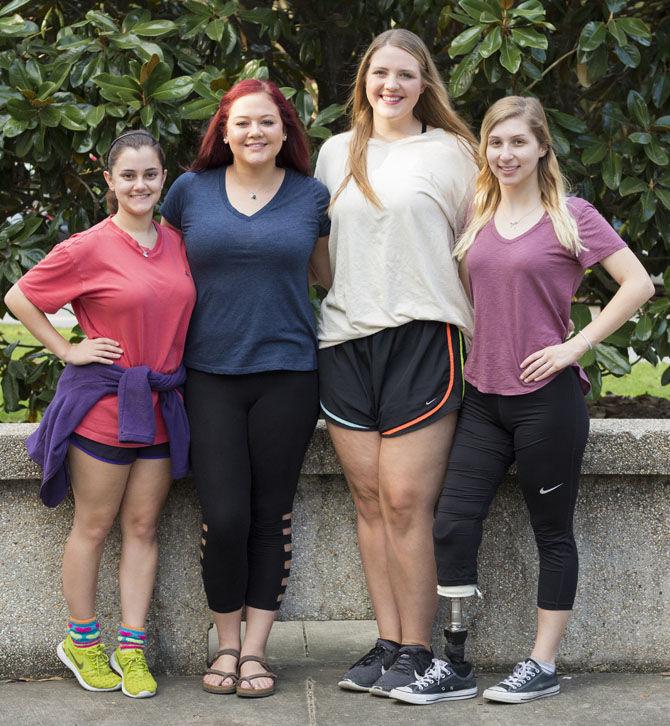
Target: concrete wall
[[622, 616]]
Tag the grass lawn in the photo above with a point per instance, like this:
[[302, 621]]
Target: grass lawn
[[644, 377], [11, 333]]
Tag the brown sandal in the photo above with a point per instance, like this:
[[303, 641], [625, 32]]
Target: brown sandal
[[250, 691], [231, 687]]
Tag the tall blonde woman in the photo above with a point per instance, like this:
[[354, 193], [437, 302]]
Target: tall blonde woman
[[391, 333], [523, 256]]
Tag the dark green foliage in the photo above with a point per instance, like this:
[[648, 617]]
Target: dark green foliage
[[74, 75]]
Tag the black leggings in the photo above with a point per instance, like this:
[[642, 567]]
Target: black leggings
[[545, 432], [249, 434]]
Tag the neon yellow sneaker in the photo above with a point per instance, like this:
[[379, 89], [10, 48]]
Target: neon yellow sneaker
[[131, 665], [89, 665]]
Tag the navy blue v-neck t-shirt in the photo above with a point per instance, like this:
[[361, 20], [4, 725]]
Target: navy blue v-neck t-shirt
[[252, 312]]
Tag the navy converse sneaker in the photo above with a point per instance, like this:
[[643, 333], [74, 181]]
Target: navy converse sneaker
[[366, 671], [439, 683], [411, 663], [527, 682]]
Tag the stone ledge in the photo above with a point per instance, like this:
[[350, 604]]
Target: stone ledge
[[615, 447], [622, 526]]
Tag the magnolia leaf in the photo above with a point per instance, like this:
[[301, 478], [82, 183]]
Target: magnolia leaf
[[465, 41], [616, 31], [631, 185], [528, 38], [592, 36], [643, 328], [329, 114], [567, 121], [200, 109], [491, 42], [319, 132], [173, 90], [612, 359], [663, 195], [154, 28], [510, 55], [640, 137], [637, 107], [594, 153], [656, 153], [611, 169]]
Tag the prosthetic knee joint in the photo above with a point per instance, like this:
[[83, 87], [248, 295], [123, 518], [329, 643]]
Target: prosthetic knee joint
[[456, 633]]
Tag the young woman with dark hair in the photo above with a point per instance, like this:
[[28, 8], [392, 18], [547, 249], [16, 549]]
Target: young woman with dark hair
[[116, 429], [254, 222]]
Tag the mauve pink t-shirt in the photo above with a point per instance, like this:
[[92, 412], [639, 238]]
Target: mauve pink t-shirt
[[522, 289]]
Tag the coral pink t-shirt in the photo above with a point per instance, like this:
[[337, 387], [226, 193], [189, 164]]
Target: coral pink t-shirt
[[522, 290], [144, 301]]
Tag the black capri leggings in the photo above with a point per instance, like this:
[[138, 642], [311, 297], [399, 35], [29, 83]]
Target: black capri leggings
[[545, 431], [249, 434]]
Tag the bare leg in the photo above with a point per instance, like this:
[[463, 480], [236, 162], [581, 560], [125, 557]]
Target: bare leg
[[148, 484], [550, 628], [411, 470], [98, 489], [358, 452], [258, 626], [228, 630]]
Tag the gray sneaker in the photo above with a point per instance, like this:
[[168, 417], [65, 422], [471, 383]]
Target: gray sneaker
[[439, 683], [526, 682], [366, 671], [411, 663]]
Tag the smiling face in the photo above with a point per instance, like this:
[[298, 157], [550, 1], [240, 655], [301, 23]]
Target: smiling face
[[513, 152], [393, 84], [136, 178], [254, 130]]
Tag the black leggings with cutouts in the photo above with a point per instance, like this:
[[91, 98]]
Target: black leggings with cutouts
[[249, 434]]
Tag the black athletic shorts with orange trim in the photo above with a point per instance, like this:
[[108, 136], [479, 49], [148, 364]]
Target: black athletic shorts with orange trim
[[395, 381]]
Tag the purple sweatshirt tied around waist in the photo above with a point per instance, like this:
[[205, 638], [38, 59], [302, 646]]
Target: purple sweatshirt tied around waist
[[79, 389]]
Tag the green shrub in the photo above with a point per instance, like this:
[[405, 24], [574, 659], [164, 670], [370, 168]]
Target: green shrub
[[72, 77]]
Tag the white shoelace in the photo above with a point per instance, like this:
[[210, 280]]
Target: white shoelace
[[435, 671], [522, 673]]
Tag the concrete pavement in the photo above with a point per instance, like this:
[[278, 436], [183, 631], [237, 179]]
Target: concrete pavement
[[309, 658]]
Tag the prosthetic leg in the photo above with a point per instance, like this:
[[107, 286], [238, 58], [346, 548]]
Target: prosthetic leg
[[455, 632]]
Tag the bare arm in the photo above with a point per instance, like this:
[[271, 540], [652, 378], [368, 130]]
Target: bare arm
[[319, 265], [97, 350], [463, 274], [635, 288]]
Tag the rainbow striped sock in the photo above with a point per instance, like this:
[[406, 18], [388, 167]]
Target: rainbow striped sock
[[84, 633], [131, 637]]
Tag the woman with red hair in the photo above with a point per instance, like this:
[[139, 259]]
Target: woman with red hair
[[255, 223]]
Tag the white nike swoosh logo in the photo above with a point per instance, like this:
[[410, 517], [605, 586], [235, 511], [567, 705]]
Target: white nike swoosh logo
[[383, 670], [432, 401], [546, 491]]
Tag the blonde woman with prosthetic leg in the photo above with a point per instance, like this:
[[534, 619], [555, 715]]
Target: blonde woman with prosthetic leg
[[391, 334], [523, 256]]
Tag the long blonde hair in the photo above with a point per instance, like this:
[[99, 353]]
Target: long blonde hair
[[433, 107], [551, 182]]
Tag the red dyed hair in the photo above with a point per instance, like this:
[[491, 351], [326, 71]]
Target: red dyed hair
[[294, 152]]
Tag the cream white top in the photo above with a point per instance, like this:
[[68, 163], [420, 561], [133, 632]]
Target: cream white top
[[394, 265]]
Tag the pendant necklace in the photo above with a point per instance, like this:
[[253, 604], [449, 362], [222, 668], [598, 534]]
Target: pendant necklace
[[513, 223], [254, 195]]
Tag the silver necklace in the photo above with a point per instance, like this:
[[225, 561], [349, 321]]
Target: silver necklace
[[253, 195], [513, 223]]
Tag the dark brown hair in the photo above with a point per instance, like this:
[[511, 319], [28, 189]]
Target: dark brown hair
[[129, 140]]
